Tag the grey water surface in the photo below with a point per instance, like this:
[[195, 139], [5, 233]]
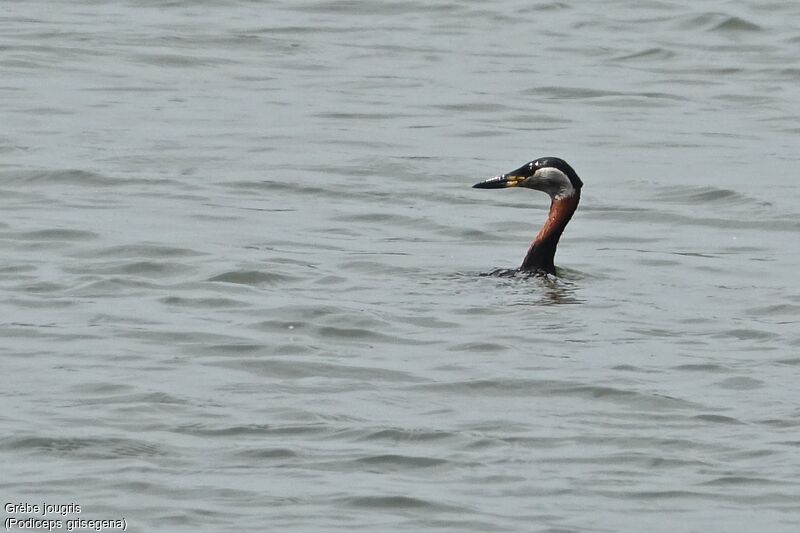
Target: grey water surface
[[241, 265]]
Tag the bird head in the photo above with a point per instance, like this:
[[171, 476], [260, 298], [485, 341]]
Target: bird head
[[551, 175]]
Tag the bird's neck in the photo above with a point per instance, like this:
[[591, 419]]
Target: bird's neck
[[543, 248]]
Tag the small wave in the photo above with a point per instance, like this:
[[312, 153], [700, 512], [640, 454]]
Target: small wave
[[280, 186], [745, 334], [402, 461], [136, 268], [406, 435], [478, 347], [181, 60], [770, 221], [149, 398], [54, 234], [550, 388], [112, 286], [718, 419], [788, 310], [252, 277], [707, 194], [69, 177], [739, 480], [205, 430], [340, 116], [357, 8], [358, 331], [397, 502], [267, 453], [74, 177], [660, 54], [569, 93], [702, 367], [736, 24], [719, 22], [741, 383], [201, 303], [95, 448], [475, 107], [152, 251], [286, 369]]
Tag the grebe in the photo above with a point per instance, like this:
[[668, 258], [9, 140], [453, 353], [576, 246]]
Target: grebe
[[555, 177]]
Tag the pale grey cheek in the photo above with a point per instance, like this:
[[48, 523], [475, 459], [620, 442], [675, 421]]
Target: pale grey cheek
[[552, 182], [557, 188], [553, 186], [540, 183]]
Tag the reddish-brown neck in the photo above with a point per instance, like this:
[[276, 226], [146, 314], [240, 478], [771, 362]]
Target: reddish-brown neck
[[543, 248]]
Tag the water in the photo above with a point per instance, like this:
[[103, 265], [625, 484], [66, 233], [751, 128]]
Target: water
[[241, 277]]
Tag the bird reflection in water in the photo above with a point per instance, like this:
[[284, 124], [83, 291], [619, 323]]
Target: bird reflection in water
[[548, 290]]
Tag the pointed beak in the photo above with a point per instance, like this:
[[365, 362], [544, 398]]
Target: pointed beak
[[500, 182], [511, 179]]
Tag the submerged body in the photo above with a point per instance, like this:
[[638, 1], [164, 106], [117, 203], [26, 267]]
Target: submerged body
[[556, 178]]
